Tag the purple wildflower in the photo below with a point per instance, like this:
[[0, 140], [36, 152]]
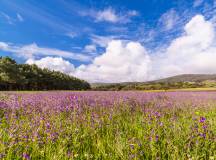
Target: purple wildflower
[[161, 124], [26, 156], [204, 127], [203, 135], [48, 125], [3, 105], [131, 146], [202, 119], [156, 138]]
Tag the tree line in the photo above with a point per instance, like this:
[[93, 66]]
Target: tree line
[[149, 86], [15, 76]]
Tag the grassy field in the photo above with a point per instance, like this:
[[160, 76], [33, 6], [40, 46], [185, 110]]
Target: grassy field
[[194, 89], [108, 125], [168, 90]]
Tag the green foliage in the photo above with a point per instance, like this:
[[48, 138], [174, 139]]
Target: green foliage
[[15, 76]]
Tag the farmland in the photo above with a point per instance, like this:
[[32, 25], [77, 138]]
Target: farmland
[[108, 125]]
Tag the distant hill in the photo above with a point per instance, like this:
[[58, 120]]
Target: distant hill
[[175, 82], [187, 78]]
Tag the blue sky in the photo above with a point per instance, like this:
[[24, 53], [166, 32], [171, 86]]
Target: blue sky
[[79, 32]]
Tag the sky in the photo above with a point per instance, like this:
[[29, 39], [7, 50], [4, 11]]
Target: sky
[[111, 40]]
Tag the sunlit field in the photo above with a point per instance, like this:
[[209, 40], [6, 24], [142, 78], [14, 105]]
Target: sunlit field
[[108, 125]]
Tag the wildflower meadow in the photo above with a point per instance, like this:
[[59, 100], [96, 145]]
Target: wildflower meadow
[[108, 125]]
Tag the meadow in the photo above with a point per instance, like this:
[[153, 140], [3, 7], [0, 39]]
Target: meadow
[[108, 125]]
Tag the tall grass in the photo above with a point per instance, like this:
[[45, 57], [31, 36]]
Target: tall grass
[[124, 130]]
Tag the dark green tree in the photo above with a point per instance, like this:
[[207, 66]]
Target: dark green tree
[[15, 76]]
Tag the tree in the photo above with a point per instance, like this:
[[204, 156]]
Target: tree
[[15, 76]]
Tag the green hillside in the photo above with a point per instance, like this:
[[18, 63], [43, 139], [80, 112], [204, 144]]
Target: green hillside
[[188, 78], [175, 82]]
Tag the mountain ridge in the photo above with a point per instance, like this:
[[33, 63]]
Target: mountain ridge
[[187, 78], [178, 81], [176, 78]]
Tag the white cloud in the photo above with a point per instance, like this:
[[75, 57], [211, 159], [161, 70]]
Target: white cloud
[[107, 15], [90, 48], [53, 63], [8, 19], [32, 50], [20, 18], [3, 46], [102, 41], [71, 34], [169, 19], [110, 15], [120, 62], [197, 3], [133, 13], [193, 52]]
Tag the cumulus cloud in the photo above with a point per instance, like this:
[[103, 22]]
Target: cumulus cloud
[[193, 52], [53, 63], [32, 50], [120, 62]]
